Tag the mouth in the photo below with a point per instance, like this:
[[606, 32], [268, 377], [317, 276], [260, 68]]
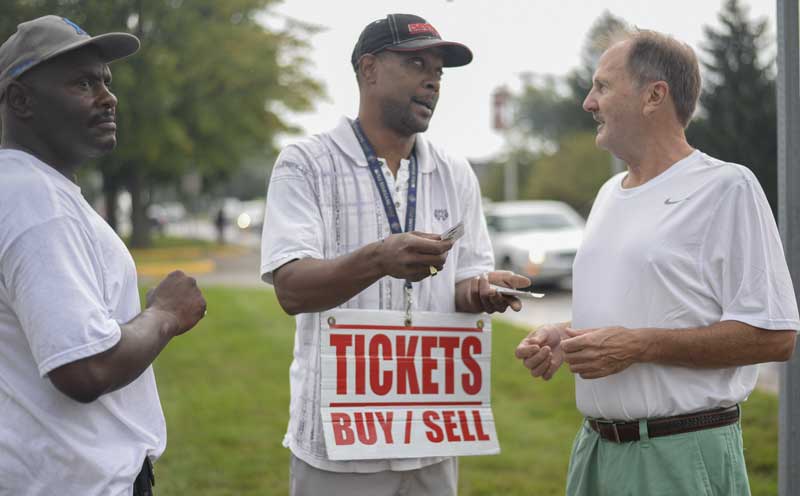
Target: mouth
[[600, 122], [104, 122], [427, 103]]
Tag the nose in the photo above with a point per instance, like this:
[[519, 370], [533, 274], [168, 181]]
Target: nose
[[590, 103], [433, 83], [106, 98]]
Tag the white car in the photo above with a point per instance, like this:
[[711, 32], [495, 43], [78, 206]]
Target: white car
[[538, 239]]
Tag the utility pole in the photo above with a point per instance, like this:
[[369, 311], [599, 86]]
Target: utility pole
[[788, 86], [501, 121]]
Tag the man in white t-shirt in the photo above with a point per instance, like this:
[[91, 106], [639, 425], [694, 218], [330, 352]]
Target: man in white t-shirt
[[80, 413], [680, 289], [331, 239]]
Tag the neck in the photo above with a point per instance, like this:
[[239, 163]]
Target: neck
[[388, 143], [41, 150], [654, 156]]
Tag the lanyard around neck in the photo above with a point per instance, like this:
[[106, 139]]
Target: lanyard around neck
[[376, 170]]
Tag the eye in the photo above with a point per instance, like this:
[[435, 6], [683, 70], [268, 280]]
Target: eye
[[84, 84]]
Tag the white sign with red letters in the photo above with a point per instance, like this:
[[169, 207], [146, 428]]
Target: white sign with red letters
[[396, 391]]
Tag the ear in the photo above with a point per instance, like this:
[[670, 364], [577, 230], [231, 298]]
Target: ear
[[655, 96], [19, 100], [368, 68]]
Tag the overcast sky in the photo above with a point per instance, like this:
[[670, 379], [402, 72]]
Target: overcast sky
[[507, 37]]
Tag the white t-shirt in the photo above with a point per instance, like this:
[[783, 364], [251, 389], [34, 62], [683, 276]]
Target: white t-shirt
[[67, 282], [691, 247], [322, 203]]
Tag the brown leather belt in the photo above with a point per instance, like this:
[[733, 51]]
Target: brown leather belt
[[625, 432]]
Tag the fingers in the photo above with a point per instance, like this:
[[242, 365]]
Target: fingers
[[179, 295], [508, 279], [411, 255], [544, 364], [526, 349], [491, 300], [539, 361], [426, 243], [434, 237]]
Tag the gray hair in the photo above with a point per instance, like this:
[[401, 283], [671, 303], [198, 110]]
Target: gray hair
[[654, 56]]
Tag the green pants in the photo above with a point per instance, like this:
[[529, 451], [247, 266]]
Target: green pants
[[703, 463]]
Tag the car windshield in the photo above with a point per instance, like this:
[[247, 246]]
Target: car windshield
[[528, 222]]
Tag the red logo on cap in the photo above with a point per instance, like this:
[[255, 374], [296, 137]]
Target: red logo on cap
[[422, 28]]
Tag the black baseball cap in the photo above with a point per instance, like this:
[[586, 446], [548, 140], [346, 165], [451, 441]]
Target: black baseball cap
[[406, 33]]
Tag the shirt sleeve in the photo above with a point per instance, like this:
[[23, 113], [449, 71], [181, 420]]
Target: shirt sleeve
[[55, 285], [744, 264], [475, 255], [293, 226]]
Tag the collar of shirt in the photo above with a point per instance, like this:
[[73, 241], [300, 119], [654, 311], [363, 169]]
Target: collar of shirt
[[346, 140]]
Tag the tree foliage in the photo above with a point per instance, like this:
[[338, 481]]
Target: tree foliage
[[205, 92], [737, 121], [552, 107], [574, 174], [566, 165]]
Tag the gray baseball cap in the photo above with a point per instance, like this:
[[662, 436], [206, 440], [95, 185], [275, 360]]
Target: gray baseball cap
[[46, 37]]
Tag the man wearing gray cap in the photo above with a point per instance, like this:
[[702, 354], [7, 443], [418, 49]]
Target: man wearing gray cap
[[80, 409], [352, 215]]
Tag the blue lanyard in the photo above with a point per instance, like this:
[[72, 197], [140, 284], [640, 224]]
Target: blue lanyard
[[386, 197], [376, 169]]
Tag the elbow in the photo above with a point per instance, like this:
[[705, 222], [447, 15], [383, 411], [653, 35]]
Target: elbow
[[788, 346], [288, 302], [84, 397], [80, 381], [82, 393]]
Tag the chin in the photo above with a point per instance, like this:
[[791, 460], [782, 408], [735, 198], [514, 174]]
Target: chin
[[103, 147], [418, 125]]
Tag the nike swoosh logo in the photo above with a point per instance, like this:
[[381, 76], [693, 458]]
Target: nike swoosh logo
[[673, 202]]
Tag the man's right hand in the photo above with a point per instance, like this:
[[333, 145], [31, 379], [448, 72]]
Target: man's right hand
[[411, 255], [541, 351], [178, 296]]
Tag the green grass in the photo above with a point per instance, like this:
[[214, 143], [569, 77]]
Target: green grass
[[225, 391]]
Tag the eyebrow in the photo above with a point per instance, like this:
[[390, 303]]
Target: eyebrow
[[104, 73]]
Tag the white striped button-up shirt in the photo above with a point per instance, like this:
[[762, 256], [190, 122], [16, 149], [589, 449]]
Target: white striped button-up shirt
[[322, 203]]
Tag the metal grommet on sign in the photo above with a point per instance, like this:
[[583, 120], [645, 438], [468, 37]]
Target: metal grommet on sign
[[408, 322], [331, 321], [480, 324]]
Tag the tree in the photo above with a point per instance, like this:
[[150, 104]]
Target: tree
[[737, 121], [552, 107], [574, 174], [205, 91], [558, 158]]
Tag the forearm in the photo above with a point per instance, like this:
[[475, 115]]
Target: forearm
[[724, 344], [465, 299], [313, 285], [142, 339]]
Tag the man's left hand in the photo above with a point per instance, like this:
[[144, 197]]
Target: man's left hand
[[475, 295], [595, 353]]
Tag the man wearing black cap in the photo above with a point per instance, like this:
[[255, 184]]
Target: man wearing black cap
[[80, 409], [350, 215]]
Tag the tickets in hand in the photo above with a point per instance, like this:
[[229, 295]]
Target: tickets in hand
[[454, 232], [519, 293]]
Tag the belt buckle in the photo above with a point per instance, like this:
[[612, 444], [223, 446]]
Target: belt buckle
[[613, 425]]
